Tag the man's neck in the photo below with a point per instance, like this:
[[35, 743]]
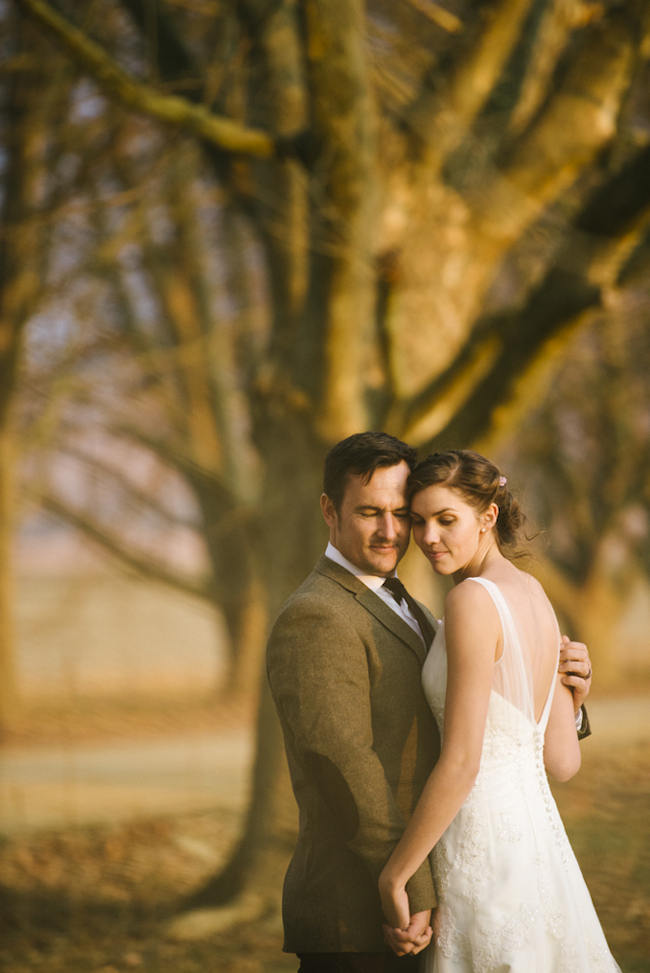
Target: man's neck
[[371, 580]]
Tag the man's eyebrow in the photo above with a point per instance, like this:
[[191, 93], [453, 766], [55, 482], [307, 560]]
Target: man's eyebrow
[[370, 506]]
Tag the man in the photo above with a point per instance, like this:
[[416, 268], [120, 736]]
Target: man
[[344, 664]]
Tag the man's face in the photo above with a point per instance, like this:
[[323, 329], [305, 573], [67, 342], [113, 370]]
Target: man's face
[[372, 527]]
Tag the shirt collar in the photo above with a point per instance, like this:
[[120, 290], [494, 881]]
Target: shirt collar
[[372, 581]]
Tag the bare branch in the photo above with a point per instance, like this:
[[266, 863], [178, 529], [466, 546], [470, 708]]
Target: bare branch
[[199, 587], [439, 15], [440, 118], [221, 132], [185, 465], [144, 497], [460, 403], [578, 120]]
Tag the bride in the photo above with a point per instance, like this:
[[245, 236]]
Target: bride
[[511, 894]]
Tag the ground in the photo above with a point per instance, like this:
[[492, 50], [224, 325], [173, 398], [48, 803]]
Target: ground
[[99, 897]]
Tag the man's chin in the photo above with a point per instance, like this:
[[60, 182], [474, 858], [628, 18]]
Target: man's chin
[[385, 564]]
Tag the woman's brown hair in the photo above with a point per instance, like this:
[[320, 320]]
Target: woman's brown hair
[[478, 481]]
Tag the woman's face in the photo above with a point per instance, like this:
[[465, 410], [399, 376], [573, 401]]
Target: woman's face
[[449, 531]]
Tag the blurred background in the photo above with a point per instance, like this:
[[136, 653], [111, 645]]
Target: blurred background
[[232, 234]]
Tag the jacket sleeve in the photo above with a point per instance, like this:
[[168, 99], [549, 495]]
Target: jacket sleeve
[[319, 678], [585, 728]]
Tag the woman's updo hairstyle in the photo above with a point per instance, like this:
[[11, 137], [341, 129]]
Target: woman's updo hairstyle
[[478, 481]]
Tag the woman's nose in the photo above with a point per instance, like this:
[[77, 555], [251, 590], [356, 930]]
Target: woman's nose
[[430, 535]]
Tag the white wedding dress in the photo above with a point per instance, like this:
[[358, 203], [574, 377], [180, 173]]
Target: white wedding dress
[[511, 894]]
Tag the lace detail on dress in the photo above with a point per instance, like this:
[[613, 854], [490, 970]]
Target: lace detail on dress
[[511, 896]]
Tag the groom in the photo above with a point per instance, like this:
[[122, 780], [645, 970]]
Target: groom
[[344, 664]]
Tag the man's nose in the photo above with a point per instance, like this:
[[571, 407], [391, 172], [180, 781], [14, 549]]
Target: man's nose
[[388, 526]]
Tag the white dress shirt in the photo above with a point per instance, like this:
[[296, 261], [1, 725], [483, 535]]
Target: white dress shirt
[[375, 583]]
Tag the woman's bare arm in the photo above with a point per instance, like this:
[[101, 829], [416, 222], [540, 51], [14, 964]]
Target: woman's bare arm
[[561, 746], [472, 635]]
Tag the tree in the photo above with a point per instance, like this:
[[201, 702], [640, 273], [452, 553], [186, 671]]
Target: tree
[[412, 190], [21, 260], [589, 440]]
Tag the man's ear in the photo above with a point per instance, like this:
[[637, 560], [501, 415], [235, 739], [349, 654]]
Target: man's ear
[[328, 510]]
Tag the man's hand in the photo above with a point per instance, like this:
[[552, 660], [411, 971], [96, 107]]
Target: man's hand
[[413, 939], [576, 666]]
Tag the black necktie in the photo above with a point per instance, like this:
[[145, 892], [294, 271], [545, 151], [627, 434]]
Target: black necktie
[[398, 591]]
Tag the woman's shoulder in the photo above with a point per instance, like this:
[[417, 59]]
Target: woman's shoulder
[[467, 594], [511, 584], [472, 615]]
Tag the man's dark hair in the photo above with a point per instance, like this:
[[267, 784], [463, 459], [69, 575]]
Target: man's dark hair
[[362, 453]]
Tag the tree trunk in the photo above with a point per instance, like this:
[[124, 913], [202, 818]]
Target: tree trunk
[[292, 536], [248, 632], [21, 257], [8, 685]]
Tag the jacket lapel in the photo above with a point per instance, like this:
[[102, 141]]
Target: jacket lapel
[[374, 604]]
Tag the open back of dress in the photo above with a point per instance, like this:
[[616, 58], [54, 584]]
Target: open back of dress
[[525, 672]]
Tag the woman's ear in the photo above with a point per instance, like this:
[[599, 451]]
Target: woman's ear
[[489, 516]]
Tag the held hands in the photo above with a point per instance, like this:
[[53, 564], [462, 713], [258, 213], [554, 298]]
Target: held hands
[[414, 938], [576, 668], [403, 932]]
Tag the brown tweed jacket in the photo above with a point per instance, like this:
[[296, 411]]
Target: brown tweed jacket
[[360, 739]]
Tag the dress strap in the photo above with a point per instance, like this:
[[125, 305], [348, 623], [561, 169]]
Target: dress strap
[[543, 720], [497, 597]]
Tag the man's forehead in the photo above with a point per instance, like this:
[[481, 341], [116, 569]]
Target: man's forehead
[[385, 482]]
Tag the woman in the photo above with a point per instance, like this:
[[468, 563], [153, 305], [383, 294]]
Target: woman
[[511, 895]]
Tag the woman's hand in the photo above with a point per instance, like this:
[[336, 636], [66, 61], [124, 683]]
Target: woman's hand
[[412, 940], [395, 905], [575, 666], [403, 932], [394, 901]]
